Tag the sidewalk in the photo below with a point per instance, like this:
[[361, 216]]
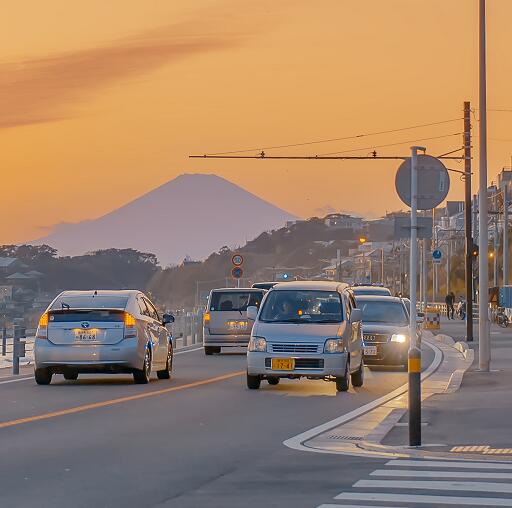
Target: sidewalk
[[479, 414]]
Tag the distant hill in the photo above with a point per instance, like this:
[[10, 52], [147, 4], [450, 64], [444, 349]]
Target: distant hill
[[194, 215]]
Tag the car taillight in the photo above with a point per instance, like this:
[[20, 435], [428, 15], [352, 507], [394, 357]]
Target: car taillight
[[42, 327], [206, 319], [130, 328]]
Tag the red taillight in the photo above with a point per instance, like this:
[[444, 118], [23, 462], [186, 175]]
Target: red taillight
[[130, 328], [42, 327]]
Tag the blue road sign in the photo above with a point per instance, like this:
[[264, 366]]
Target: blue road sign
[[237, 272], [437, 254]]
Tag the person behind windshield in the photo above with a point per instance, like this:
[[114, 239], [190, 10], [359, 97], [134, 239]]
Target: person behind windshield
[[286, 311]]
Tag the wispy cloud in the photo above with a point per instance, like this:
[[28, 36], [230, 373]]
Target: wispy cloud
[[46, 89]]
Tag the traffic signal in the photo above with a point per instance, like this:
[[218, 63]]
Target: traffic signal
[[474, 252], [362, 239]]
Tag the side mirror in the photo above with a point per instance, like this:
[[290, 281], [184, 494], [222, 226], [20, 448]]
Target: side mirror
[[167, 318], [356, 315], [252, 312]]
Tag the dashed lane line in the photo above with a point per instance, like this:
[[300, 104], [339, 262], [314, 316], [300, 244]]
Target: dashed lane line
[[120, 400]]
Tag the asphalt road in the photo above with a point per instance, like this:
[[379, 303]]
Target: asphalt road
[[200, 439]]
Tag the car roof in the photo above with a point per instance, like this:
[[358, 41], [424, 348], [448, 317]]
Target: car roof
[[369, 286], [234, 290], [101, 292], [378, 298], [310, 285]]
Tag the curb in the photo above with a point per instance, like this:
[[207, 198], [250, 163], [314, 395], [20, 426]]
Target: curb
[[361, 432]]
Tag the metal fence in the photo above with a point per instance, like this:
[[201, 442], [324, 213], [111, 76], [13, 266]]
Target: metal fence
[[187, 328]]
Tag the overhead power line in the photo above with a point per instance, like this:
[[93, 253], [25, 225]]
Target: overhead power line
[[391, 144], [345, 138]]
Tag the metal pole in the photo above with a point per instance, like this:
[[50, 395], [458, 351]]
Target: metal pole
[[468, 223], [505, 235], [382, 265], [414, 356], [495, 246], [483, 229], [420, 295]]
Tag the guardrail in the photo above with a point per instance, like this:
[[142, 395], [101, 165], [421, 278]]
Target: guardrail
[[188, 328]]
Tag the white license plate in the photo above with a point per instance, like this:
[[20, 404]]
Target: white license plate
[[85, 335], [370, 350]]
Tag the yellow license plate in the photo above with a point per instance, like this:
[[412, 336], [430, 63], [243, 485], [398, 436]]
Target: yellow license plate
[[283, 363]]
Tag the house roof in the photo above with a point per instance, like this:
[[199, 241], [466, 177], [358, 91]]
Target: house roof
[[34, 273], [18, 276], [5, 262]]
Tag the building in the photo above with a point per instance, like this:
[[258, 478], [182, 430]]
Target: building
[[343, 221]]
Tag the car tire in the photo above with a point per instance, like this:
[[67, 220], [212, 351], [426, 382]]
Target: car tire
[[142, 376], [357, 378], [43, 376], [273, 381], [253, 382], [210, 350], [343, 382], [166, 373], [71, 375]]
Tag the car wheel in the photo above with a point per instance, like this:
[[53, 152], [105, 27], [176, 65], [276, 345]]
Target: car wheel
[[253, 382], [142, 376], [166, 373], [210, 350], [357, 377], [43, 376], [273, 381], [343, 382], [71, 375]]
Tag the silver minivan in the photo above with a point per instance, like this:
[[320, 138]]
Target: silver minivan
[[102, 332], [225, 321], [306, 329]]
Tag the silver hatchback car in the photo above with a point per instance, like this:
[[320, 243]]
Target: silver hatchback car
[[306, 329], [102, 332]]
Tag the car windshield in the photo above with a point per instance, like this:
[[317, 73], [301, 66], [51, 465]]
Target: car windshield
[[296, 306], [90, 302], [235, 300], [381, 311]]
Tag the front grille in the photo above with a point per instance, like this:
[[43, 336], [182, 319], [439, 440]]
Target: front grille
[[375, 338], [294, 348], [301, 363]]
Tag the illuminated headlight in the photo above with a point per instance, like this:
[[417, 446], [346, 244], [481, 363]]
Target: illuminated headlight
[[398, 337], [257, 344], [333, 346]]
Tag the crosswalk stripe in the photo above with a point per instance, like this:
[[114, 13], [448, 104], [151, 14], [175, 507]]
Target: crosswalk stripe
[[436, 485], [436, 474], [422, 499], [449, 464]]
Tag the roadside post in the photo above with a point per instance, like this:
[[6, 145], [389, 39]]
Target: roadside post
[[18, 348], [422, 182], [4, 341]]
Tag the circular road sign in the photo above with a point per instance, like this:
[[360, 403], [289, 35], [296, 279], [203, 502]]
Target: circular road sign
[[237, 272], [433, 182], [237, 260], [437, 254]]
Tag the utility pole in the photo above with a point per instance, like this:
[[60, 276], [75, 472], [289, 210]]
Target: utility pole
[[505, 234], [448, 263], [382, 266], [495, 243], [483, 230], [467, 224]]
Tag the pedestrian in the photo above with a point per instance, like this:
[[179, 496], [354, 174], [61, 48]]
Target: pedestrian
[[449, 299]]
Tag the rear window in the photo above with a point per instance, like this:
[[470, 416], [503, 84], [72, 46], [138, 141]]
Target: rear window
[[372, 291], [235, 300], [90, 302], [67, 316]]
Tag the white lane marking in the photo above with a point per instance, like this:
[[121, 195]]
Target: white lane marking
[[435, 500], [402, 473], [449, 464], [505, 488], [18, 379], [296, 442]]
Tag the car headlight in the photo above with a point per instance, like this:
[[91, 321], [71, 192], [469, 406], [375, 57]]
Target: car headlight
[[257, 344], [399, 337], [333, 346]]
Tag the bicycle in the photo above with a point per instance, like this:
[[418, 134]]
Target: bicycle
[[501, 319]]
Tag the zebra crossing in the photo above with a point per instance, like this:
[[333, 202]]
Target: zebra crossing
[[430, 484]]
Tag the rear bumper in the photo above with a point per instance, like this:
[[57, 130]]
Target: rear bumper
[[225, 340], [388, 353], [333, 365], [122, 357]]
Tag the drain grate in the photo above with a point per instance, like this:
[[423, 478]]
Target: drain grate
[[344, 438]]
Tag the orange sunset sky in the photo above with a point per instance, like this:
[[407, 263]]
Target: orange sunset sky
[[101, 101]]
